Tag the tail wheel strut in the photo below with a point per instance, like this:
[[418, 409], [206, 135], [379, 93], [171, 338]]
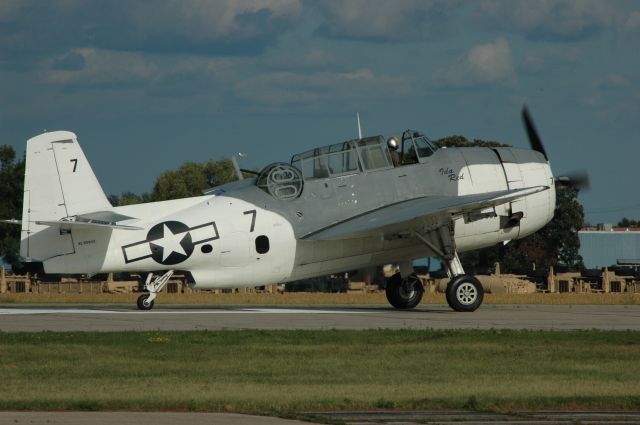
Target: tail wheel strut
[[146, 301]]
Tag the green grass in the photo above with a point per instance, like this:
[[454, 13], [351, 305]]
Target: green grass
[[284, 372]]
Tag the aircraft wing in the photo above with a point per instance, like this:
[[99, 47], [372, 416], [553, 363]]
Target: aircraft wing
[[405, 212]]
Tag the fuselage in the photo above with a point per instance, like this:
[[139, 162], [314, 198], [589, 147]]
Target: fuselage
[[243, 235]]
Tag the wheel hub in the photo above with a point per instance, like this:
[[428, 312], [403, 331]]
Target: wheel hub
[[407, 290], [467, 293]]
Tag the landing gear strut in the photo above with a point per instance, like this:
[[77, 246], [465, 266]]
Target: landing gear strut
[[146, 301], [464, 292]]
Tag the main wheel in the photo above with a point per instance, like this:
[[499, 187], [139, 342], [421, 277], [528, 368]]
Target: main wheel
[[141, 302], [405, 293], [464, 293]]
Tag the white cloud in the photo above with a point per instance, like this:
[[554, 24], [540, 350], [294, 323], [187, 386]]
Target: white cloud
[[9, 9], [592, 100], [100, 67], [615, 81], [240, 27], [489, 63], [314, 59], [539, 59], [319, 91], [633, 22], [214, 20], [381, 19], [548, 19]]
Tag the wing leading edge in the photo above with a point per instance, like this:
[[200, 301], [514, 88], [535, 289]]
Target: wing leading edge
[[413, 209]]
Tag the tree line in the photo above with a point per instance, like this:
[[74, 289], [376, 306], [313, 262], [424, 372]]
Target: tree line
[[627, 222], [555, 244], [190, 179], [11, 192]]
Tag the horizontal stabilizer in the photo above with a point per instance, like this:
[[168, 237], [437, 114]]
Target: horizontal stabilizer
[[86, 224], [406, 212]]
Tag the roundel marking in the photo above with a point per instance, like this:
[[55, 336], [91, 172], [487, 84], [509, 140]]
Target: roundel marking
[[170, 242]]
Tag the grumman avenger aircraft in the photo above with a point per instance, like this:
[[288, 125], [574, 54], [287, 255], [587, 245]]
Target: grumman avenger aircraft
[[339, 207]]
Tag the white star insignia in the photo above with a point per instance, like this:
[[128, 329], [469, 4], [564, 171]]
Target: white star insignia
[[170, 242]]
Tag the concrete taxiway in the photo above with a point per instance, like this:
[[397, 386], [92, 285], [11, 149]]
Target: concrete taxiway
[[139, 418], [349, 418], [183, 317]]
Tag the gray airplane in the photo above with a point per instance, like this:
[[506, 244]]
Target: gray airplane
[[350, 205]]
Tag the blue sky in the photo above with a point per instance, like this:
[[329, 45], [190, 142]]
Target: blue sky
[[148, 85]]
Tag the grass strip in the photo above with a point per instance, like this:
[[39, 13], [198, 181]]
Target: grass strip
[[284, 372]]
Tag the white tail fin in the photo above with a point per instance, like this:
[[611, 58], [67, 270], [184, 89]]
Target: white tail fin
[[58, 183]]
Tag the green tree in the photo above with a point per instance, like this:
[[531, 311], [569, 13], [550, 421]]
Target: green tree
[[130, 198], [11, 192], [462, 142], [188, 180], [219, 172], [191, 178], [625, 222]]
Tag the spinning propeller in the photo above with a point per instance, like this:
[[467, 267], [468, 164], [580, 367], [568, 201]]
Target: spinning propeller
[[576, 180]]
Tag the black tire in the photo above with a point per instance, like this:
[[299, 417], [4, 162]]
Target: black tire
[[141, 305], [404, 294], [464, 293]]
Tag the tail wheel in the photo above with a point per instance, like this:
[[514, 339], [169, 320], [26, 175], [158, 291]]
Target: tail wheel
[[405, 293], [465, 293], [143, 304]]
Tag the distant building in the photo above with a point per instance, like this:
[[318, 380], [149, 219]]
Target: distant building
[[606, 245]]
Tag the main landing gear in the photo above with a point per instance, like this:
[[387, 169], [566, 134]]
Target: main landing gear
[[464, 292], [404, 293], [146, 301]]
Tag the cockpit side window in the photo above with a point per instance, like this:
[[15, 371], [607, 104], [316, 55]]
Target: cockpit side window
[[408, 154], [415, 145], [333, 160], [424, 146], [374, 153], [343, 162]]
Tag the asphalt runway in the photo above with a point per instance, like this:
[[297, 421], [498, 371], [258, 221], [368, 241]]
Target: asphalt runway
[[186, 317]]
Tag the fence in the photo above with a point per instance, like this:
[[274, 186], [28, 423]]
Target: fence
[[608, 282]]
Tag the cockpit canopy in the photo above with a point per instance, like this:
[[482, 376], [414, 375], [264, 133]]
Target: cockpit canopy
[[286, 181], [348, 157], [366, 154]]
